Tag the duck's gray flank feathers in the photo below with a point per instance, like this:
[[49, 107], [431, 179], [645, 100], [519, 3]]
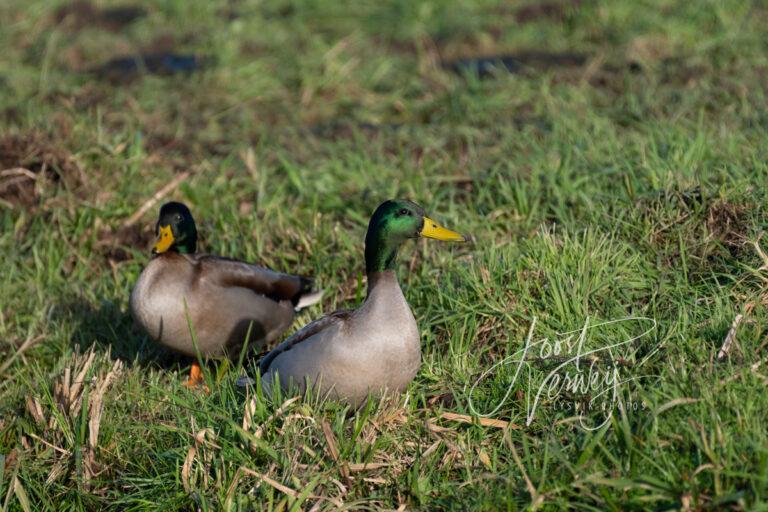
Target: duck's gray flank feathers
[[349, 355], [302, 334]]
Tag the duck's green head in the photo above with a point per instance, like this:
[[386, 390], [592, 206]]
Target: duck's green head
[[394, 222], [175, 230]]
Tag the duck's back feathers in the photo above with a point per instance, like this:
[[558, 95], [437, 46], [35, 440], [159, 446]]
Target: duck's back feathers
[[274, 285]]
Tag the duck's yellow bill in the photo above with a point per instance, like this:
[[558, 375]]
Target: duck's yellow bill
[[164, 240], [434, 230]]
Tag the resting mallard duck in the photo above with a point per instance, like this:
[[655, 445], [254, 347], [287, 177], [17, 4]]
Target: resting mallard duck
[[349, 355], [220, 298]]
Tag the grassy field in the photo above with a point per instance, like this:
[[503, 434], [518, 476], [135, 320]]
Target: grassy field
[[616, 170]]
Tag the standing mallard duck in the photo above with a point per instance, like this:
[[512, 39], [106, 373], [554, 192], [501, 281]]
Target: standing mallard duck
[[220, 298], [351, 354]]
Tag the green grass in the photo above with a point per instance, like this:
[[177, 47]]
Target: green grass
[[598, 192]]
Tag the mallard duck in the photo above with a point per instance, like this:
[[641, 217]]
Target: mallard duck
[[350, 355], [221, 299]]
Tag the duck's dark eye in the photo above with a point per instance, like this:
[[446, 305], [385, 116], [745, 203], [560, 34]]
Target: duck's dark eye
[[404, 211], [178, 218]]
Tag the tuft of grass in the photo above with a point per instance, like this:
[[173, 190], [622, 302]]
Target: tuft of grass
[[632, 186]]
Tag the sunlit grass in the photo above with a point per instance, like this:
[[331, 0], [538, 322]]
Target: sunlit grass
[[632, 186]]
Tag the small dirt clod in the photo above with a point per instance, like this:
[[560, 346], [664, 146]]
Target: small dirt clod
[[26, 159]]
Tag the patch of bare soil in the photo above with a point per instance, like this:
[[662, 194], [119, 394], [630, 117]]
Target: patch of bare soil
[[116, 246], [714, 231], [83, 14], [546, 11], [729, 225], [86, 97], [29, 161]]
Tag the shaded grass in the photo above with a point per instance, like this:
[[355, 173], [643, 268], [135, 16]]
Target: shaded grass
[[631, 186]]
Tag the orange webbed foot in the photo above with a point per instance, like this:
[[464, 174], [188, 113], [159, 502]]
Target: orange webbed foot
[[196, 378]]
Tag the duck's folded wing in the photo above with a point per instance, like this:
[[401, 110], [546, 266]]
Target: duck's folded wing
[[275, 285], [303, 334]]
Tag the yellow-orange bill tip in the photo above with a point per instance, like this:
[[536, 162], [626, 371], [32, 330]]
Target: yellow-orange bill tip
[[164, 239], [434, 230]]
